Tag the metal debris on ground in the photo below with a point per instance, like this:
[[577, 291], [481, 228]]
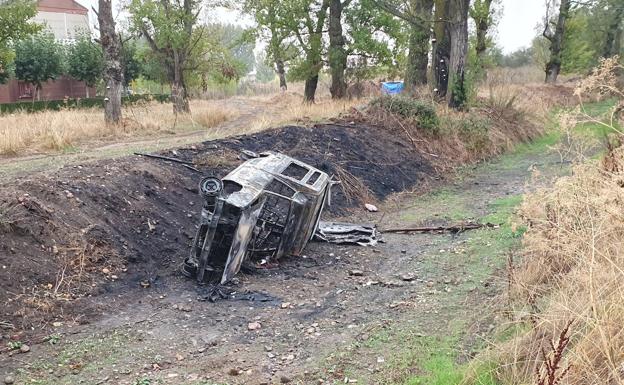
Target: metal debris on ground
[[268, 207], [347, 233], [216, 292], [458, 228]]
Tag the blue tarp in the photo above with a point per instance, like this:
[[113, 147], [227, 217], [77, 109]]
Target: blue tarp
[[392, 88]]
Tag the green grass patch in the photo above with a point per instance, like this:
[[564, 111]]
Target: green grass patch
[[502, 209], [598, 108], [87, 356], [444, 204], [56, 105]]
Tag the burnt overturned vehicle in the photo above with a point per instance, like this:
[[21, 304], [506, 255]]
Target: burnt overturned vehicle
[[268, 207]]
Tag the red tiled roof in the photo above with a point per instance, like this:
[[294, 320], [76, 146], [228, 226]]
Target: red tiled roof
[[61, 6]]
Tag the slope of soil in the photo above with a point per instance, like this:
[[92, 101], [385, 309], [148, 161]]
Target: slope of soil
[[135, 217]]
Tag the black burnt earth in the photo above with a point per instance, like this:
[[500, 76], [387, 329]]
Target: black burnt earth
[[385, 164], [111, 225]]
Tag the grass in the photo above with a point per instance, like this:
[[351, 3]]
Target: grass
[[87, 356], [441, 205], [485, 251], [63, 131], [570, 276], [434, 359], [58, 138], [288, 109]]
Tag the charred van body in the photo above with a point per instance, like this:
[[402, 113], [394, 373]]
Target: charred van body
[[268, 207]]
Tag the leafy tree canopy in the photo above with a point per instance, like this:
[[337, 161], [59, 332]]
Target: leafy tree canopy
[[15, 24], [38, 59], [85, 61]]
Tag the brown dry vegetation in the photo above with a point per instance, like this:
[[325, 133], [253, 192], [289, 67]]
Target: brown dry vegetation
[[288, 109], [493, 127], [53, 131], [24, 132], [572, 268]]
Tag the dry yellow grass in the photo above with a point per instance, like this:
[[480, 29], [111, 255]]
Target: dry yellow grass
[[523, 88], [572, 270], [52, 131], [288, 108], [23, 133]]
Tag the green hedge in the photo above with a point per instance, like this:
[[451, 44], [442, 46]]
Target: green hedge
[[56, 105]]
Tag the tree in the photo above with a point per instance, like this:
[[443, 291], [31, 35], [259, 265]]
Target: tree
[[579, 54], [272, 25], [239, 42], [615, 25], [227, 53], [15, 24], [129, 62], [523, 56], [482, 12], [264, 71], [554, 30], [150, 66], [170, 30], [305, 21], [113, 70], [337, 52], [38, 59], [85, 61], [441, 48], [376, 41], [458, 16], [418, 14]]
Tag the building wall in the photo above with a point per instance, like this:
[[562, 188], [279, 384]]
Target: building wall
[[65, 19], [64, 26], [16, 91]]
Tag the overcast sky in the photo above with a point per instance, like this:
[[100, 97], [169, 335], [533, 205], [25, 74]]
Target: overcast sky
[[515, 29]]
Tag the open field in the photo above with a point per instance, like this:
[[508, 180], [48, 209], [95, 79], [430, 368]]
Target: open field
[[67, 131]]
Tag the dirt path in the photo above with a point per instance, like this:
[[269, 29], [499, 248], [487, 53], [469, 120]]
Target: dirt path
[[339, 314], [247, 110]]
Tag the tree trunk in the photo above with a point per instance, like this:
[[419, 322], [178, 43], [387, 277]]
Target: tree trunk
[[315, 64], [418, 54], [310, 89], [281, 74], [87, 91], [179, 97], [458, 14], [113, 72], [314, 59], [553, 66], [482, 20], [614, 33], [337, 53], [441, 53]]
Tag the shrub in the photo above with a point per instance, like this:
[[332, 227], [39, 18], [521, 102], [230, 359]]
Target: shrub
[[473, 130], [422, 112], [55, 105]]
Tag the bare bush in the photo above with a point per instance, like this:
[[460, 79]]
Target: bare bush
[[573, 266]]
